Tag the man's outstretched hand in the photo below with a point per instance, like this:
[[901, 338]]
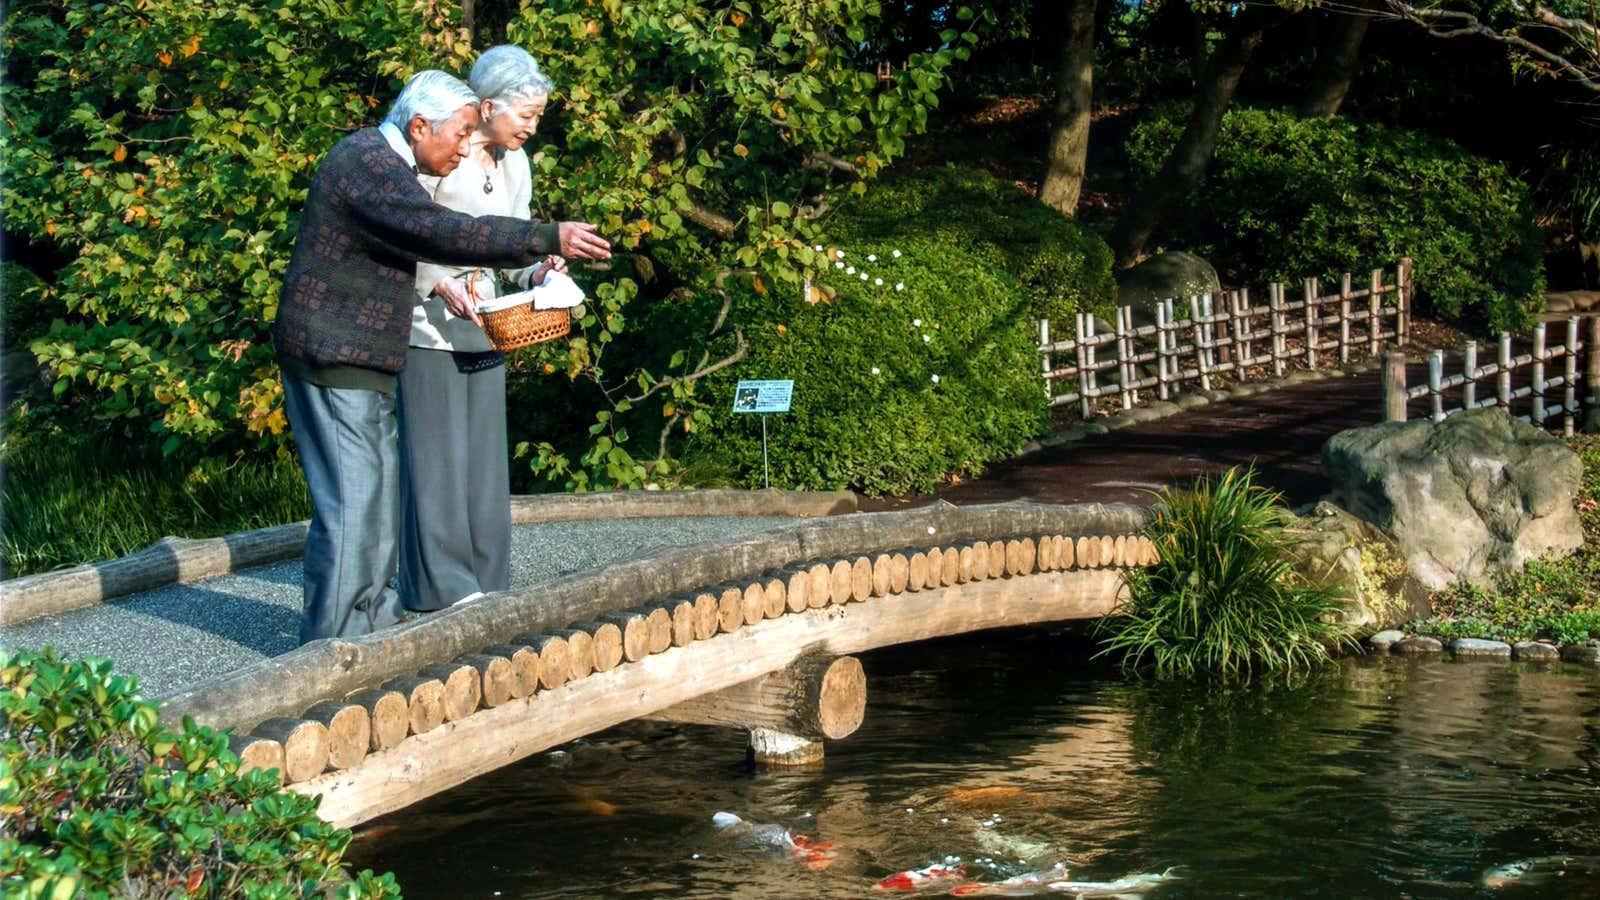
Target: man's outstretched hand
[[583, 241]]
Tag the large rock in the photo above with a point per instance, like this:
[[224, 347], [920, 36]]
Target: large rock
[[1345, 552], [1165, 276], [1464, 498]]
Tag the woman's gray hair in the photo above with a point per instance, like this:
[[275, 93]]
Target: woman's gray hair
[[433, 95], [506, 74]]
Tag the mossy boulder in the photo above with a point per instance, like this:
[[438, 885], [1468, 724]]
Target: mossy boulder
[[1346, 552]]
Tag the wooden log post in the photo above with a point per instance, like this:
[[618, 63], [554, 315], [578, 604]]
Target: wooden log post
[[789, 712], [797, 590], [349, 731], [707, 613], [839, 583], [1243, 334], [1591, 365], [1044, 350], [997, 559], [1402, 319], [753, 603], [1539, 387], [1569, 403], [1066, 558], [861, 579], [606, 640], [1085, 383], [1469, 371], [388, 714], [1163, 375], [1374, 312], [1394, 386], [256, 752], [880, 575], [917, 571], [657, 628], [555, 657], [1276, 318], [730, 609], [462, 690], [580, 653], [1087, 352], [680, 617], [524, 661], [636, 630], [899, 573], [950, 567], [1503, 380], [1122, 316], [776, 592], [424, 701], [305, 746], [1344, 319], [1199, 344], [820, 590], [1436, 384], [496, 678], [1312, 315]]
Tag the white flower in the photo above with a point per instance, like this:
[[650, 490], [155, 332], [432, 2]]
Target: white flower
[[897, 254], [817, 247], [840, 253], [874, 370], [838, 265], [863, 276], [872, 257], [916, 323], [931, 529], [877, 281], [926, 339], [850, 270], [901, 286], [935, 379]]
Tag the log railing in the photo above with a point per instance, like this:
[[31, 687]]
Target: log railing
[[1223, 338], [1539, 386]]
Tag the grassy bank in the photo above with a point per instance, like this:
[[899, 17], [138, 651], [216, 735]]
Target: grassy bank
[[65, 508], [1551, 600]]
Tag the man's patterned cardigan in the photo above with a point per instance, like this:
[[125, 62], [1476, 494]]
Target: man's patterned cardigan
[[347, 296]]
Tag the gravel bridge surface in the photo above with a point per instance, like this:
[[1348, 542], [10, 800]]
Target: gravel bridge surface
[[174, 637]]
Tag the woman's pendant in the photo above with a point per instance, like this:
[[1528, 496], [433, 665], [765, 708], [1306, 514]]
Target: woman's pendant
[[487, 187]]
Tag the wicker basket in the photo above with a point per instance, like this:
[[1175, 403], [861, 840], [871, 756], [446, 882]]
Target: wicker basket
[[520, 326]]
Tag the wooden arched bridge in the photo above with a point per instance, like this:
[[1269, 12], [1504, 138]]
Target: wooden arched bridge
[[755, 632]]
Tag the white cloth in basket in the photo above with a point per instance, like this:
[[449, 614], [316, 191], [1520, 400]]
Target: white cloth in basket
[[557, 292]]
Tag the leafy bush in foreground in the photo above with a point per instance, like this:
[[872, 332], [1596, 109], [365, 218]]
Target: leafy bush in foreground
[[1224, 596], [1290, 198], [99, 799]]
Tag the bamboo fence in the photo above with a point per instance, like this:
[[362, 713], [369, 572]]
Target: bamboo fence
[[1224, 338]]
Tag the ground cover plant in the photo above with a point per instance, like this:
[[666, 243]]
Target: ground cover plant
[[98, 798], [1225, 595], [102, 501], [1289, 198], [1552, 600]]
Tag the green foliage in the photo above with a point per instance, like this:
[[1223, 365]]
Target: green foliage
[[893, 389], [1224, 596], [99, 799], [164, 148], [1551, 598], [99, 502], [704, 139], [1064, 267], [1291, 198]]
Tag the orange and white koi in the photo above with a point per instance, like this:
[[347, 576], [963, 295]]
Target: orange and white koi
[[936, 875]]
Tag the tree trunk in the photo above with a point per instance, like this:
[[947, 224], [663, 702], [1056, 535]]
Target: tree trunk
[[1336, 65], [1069, 132], [1186, 164]]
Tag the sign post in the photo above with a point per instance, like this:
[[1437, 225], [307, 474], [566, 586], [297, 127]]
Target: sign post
[[763, 397]]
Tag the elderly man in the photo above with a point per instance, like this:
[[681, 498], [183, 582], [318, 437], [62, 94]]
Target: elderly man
[[344, 318]]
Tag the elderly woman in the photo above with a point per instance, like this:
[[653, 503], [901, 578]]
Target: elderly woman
[[455, 529]]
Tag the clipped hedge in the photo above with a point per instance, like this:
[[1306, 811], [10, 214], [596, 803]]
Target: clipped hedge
[[99, 799], [894, 389], [1063, 267], [1291, 198]]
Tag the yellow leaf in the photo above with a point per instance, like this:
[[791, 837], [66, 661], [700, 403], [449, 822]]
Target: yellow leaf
[[165, 58], [668, 411], [782, 328], [49, 228], [192, 47], [760, 288], [737, 17], [740, 150], [119, 154]]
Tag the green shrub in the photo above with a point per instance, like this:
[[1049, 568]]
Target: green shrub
[[893, 389], [1224, 596], [1291, 198], [99, 799], [99, 501], [1064, 267]]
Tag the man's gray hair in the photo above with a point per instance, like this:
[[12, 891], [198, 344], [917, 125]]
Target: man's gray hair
[[506, 74], [433, 95]]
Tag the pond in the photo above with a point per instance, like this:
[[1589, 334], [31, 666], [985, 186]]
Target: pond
[[1016, 753]]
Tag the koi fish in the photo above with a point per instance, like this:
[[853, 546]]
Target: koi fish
[[1056, 881], [937, 874], [814, 855], [1537, 870]]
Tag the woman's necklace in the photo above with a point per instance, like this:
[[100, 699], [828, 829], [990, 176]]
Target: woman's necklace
[[488, 170]]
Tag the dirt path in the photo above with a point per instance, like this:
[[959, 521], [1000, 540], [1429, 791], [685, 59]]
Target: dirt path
[[1281, 432]]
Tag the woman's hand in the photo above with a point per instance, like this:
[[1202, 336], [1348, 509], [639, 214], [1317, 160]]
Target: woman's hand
[[457, 299], [551, 263]]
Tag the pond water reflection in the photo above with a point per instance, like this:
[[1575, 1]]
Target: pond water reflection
[[1380, 777]]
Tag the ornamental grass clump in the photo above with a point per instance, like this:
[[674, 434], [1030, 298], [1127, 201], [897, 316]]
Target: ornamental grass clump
[[99, 799], [1225, 596]]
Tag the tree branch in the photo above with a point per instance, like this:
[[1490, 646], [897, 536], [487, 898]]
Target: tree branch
[[740, 351], [1583, 36]]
